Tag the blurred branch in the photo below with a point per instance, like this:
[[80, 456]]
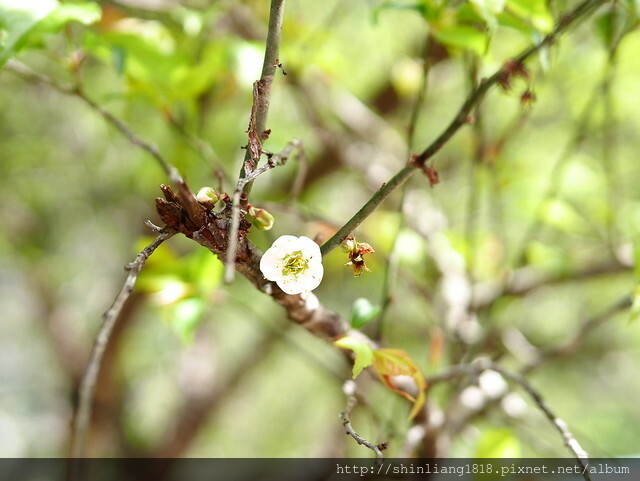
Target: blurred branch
[[461, 119], [526, 279], [475, 186], [556, 176], [83, 414], [200, 147], [454, 372], [581, 334], [144, 10], [349, 389], [561, 426], [476, 368], [391, 270], [197, 408], [76, 91], [609, 126]]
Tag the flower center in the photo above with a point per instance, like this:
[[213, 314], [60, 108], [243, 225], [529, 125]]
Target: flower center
[[294, 264]]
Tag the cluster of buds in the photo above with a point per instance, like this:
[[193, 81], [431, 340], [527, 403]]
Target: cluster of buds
[[356, 251], [262, 219]]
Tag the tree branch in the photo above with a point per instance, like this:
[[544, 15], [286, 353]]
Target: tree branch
[[262, 92], [460, 119], [349, 389], [561, 426], [257, 129], [476, 368], [122, 127], [110, 317], [274, 161]]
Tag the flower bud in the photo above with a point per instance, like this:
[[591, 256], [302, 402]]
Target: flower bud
[[208, 197], [262, 219]]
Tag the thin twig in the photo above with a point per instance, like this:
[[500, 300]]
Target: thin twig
[[391, 271], [579, 337], [203, 149], [461, 119], [476, 368], [561, 426], [274, 161], [87, 388], [475, 186], [556, 175], [257, 130], [262, 91], [121, 126], [609, 127], [349, 389]]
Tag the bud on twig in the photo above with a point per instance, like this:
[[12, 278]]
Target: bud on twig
[[208, 197], [261, 218]]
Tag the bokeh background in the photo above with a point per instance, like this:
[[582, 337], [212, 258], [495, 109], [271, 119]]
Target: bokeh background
[[526, 245]]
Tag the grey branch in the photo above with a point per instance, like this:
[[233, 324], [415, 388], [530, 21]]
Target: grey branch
[[87, 388], [274, 161], [476, 368], [120, 125], [349, 388]]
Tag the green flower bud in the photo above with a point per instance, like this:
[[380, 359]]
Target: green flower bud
[[262, 219], [208, 197]]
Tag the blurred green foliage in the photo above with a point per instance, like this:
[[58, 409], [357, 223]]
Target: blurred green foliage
[[547, 192]]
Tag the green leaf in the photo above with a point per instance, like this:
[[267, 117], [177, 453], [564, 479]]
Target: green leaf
[[389, 363], [362, 351], [615, 22], [84, 13], [509, 20], [205, 271], [363, 312], [17, 19], [535, 11], [488, 9], [498, 443], [463, 36], [424, 8], [186, 316]]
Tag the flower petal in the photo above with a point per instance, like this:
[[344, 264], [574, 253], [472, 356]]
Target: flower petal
[[273, 260]]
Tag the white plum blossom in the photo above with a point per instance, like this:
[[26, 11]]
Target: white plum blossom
[[294, 263]]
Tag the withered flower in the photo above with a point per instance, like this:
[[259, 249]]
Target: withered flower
[[356, 251]]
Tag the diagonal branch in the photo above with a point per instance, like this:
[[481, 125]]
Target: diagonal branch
[[76, 91], [561, 426], [83, 414], [476, 368], [460, 119], [349, 389]]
